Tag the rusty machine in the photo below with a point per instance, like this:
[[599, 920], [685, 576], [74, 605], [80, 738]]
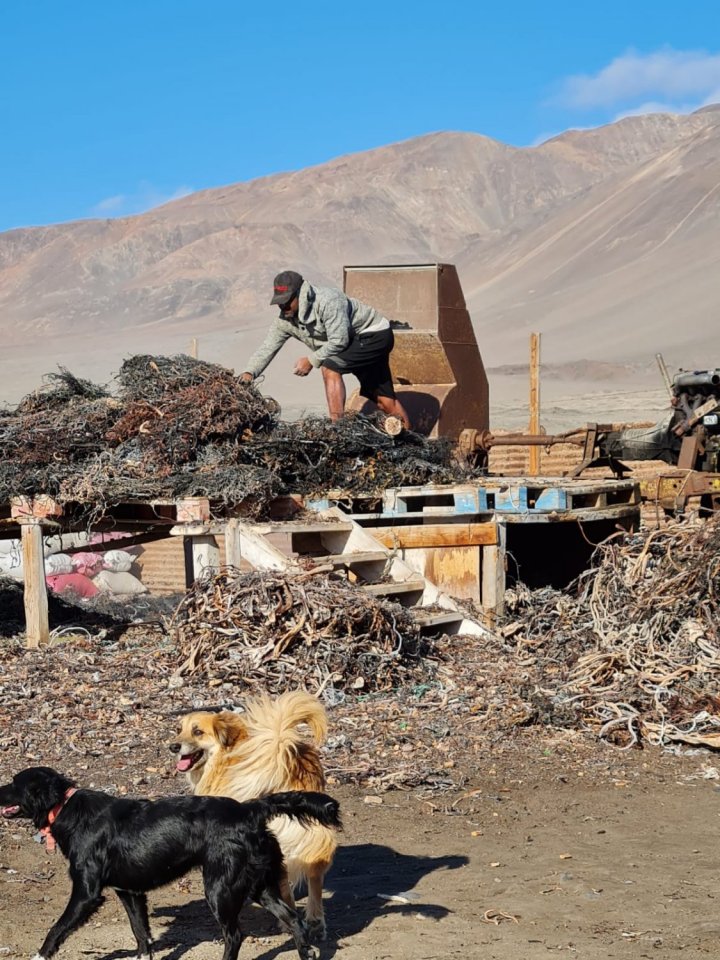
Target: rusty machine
[[689, 437]]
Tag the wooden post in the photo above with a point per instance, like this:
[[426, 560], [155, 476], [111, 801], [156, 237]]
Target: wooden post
[[233, 552], [194, 348], [493, 574], [205, 555], [534, 401], [37, 627]]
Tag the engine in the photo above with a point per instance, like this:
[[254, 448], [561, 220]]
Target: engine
[[695, 412]]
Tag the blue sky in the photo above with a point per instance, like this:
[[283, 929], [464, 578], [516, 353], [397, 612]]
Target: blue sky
[[112, 106]]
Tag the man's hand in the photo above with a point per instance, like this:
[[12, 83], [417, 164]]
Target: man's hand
[[246, 377], [302, 367]]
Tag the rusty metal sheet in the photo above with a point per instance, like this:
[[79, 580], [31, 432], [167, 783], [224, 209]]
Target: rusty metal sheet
[[436, 361]]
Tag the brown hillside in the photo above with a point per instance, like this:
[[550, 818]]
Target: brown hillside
[[604, 240]]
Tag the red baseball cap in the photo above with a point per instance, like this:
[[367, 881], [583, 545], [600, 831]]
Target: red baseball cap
[[286, 286]]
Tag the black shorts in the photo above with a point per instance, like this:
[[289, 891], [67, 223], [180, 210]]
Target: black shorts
[[368, 358]]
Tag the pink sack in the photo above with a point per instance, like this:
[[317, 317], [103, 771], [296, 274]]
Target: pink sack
[[87, 563], [78, 583]]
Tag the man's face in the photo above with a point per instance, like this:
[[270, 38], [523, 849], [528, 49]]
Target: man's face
[[290, 310]]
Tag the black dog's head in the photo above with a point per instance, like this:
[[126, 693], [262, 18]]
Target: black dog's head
[[33, 793]]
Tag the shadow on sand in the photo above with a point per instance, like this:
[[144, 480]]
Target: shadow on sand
[[359, 888]]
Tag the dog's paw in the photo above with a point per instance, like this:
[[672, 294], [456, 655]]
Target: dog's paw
[[38, 957], [317, 928]]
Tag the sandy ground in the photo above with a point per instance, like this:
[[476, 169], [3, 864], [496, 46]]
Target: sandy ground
[[565, 403], [593, 853], [587, 851]]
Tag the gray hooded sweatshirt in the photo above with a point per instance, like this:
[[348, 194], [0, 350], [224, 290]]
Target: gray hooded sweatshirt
[[327, 321]]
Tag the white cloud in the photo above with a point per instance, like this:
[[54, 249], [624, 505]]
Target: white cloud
[[144, 198], [110, 204], [667, 77]]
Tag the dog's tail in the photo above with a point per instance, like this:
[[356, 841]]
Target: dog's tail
[[282, 716], [279, 755], [305, 806]]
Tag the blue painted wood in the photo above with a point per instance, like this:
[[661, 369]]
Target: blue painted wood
[[552, 498]]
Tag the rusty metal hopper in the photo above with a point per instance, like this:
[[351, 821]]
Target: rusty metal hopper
[[437, 368]]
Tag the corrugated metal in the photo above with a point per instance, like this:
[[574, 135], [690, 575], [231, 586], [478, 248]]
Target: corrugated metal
[[161, 564], [560, 459]]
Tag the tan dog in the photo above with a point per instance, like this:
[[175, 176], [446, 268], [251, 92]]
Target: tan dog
[[261, 751]]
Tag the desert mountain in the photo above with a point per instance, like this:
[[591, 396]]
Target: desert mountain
[[604, 240]]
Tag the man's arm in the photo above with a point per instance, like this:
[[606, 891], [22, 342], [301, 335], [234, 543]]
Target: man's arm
[[266, 352]]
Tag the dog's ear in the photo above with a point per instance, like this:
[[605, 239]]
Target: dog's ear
[[229, 728]]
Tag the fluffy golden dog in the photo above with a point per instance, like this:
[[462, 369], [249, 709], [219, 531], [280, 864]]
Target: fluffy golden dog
[[262, 751]]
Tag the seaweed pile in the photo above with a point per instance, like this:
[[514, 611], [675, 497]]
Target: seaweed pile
[[632, 652], [280, 630], [177, 427]]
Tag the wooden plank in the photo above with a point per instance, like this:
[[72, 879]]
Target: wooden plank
[[428, 618], [437, 535], [37, 627], [456, 570], [131, 541], [534, 462], [348, 559], [39, 507], [193, 510], [304, 526], [259, 552], [689, 449], [391, 588], [211, 529]]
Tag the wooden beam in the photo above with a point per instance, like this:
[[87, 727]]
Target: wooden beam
[[233, 551], [534, 401], [119, 544], [437, 535], [259, 552], [493, 575], [37, 627]]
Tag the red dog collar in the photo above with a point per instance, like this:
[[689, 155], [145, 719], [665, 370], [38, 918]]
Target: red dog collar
[[46, 832]]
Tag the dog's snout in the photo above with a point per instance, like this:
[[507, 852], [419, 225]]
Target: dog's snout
[[174, 747]]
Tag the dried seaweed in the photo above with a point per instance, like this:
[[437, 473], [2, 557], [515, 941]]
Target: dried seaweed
[[280, 630], [633, 649], [181, 427]]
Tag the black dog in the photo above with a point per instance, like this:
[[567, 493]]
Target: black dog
[[138, 845]]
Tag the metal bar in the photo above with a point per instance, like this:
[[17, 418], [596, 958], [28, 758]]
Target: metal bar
[[534, 440]]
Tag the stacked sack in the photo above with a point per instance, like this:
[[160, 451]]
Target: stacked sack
[[115, 576], [11, 564], [61, 577], [86, 574]]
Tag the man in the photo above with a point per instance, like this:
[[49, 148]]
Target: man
[[344, 335]]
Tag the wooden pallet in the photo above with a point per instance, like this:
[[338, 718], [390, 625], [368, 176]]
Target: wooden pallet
[[515, 499], [337, 542]]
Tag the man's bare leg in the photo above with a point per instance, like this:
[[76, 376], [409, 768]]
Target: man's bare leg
[[334, 392], [392, 407]]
